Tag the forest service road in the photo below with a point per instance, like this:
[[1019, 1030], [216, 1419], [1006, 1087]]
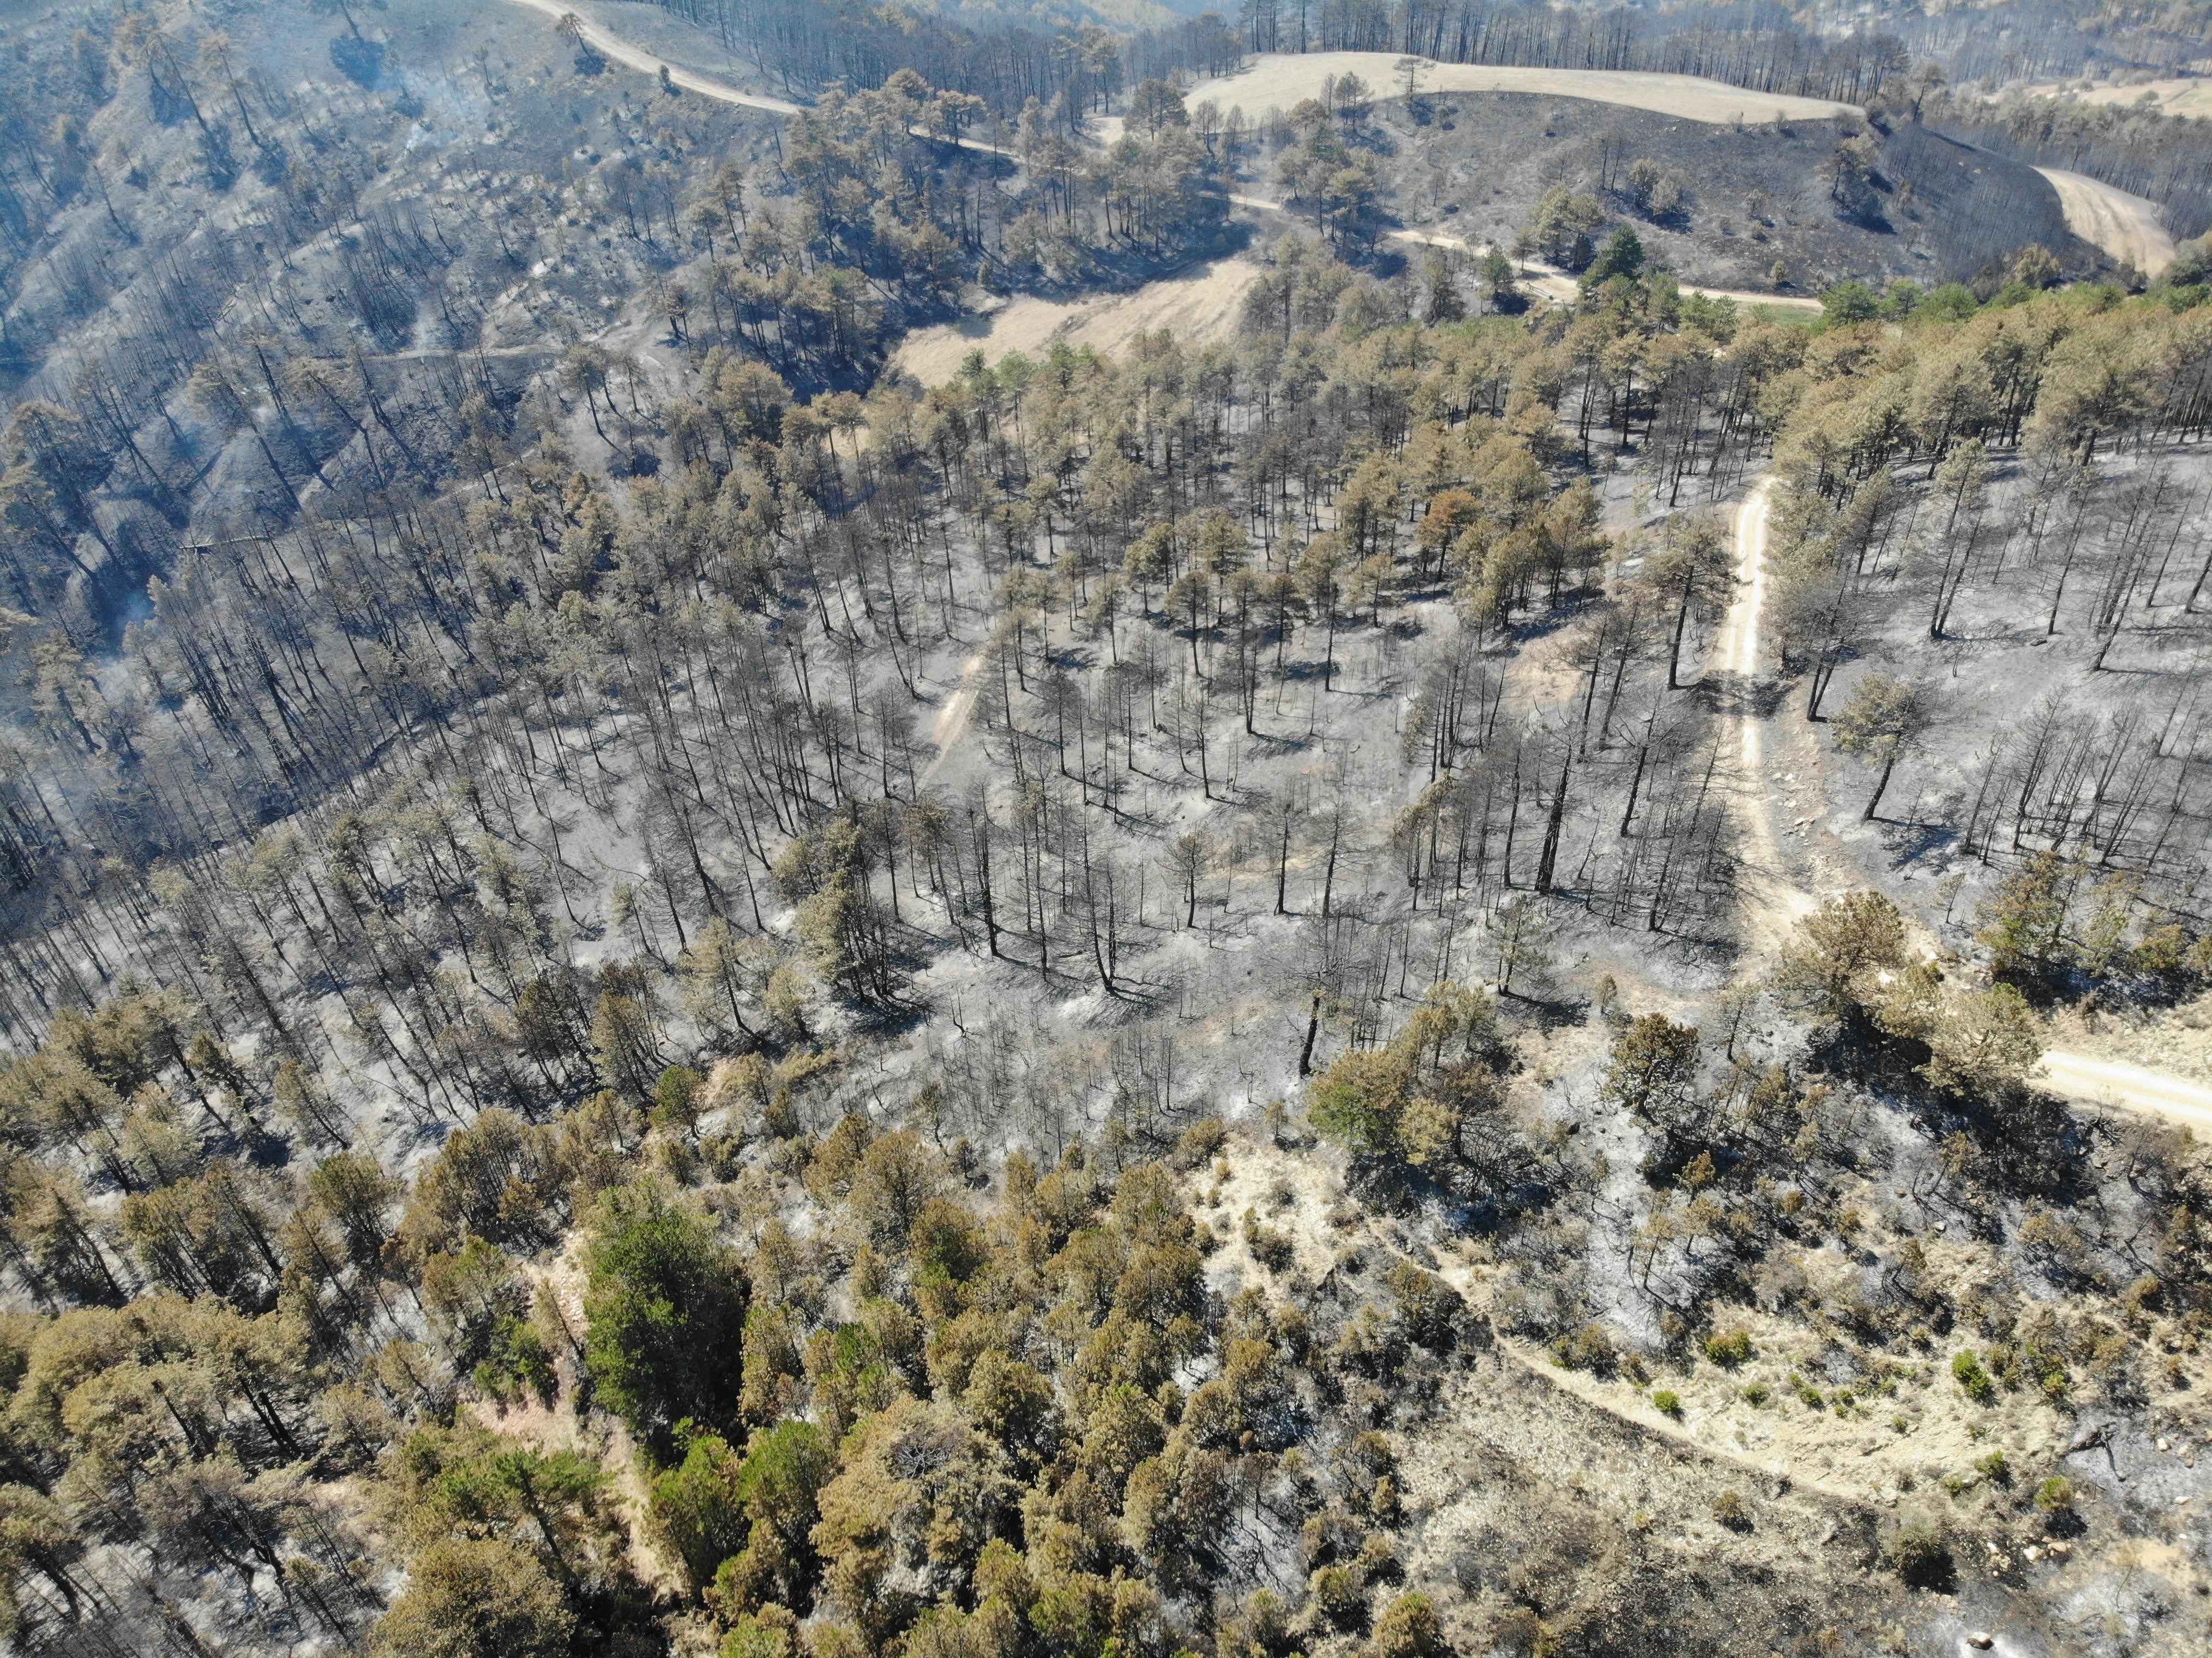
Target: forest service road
[[2125, 227], [1772, 902], [614, 47], [2080, 1078]]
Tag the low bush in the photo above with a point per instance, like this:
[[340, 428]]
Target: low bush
[[1270, 1247], [1921, 1555], [1973, 1381], [1729, 1349], [1197, 1143]]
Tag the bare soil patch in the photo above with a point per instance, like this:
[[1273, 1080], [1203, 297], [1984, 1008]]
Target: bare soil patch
[[1199, 306], [2125, 227]]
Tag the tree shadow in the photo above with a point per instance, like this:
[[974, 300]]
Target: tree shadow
[[1911, 843]]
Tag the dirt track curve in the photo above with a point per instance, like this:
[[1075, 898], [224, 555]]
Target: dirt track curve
[[613, 47], [1773, 900]]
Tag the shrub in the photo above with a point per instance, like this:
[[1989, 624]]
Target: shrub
[[1377, 1561], [2050, 1377], [1588, 1349], [1996, 1467], [1270, 1248], [1729, 1349], [516, 1365], [1973, 1381], [1731, 1510], [1409, 1629], [695, 1510], [1756, 1393], [471, 1598], [1666, 1403], [1920, 1554], [2055, 1495], [761, 1636], [1337, 1596], [676, 1098], [1198, 1142]]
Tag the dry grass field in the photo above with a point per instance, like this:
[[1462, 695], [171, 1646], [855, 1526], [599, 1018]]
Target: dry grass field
[[2183, 95], [1278, 81]]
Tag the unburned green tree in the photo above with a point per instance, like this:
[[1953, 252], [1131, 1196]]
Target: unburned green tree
[[472, 1598], [1882, 720], [665, 1303]]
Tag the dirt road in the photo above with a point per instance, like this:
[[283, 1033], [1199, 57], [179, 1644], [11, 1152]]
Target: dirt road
[[1772, 900], [1281, 80], [2078, 1076], [935, 354], [952, 718], [2125, 227]]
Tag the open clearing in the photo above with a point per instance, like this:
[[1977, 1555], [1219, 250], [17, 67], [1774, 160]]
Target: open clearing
[[2185, 95], [1277, 80], [2126, 226], [1199, 306]]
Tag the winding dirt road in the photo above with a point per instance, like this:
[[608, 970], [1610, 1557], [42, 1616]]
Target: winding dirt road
[[2124, 226], [613, 47], [1772, 901]]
